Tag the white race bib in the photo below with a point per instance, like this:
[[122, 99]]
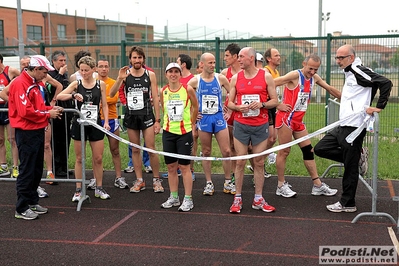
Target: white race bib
[[302, 101], [210, 104], [89, 112], [247, 99], [135, 100], [175, 110]]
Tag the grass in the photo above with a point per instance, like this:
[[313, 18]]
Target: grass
[[314, 120]]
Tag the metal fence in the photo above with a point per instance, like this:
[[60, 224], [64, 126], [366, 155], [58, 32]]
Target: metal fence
[[379, 52]]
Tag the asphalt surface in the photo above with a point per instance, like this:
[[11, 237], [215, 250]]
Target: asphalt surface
[[132, 228]]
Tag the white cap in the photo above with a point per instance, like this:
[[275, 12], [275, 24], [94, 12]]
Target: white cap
[[40, 61], [173, 65], [259, 57]]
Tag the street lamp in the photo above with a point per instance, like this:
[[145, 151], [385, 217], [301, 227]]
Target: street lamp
[[325, 18]]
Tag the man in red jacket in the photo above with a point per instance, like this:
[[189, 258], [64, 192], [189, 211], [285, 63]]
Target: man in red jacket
[[29, 116]]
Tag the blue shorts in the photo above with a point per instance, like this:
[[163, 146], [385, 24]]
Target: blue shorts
[[212, 123], [113, 123]]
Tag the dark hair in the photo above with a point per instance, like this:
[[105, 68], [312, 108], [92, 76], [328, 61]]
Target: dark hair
[[233, 48], [268, 54], [1, 58], [138, 50], [79, 55], [184, 58], [56, 54]]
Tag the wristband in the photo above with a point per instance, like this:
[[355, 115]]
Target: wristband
[[73, 95], [158, 120]]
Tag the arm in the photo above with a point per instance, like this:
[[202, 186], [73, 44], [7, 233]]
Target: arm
[[123, 73], [155, 101], [13, 73], [271, 91], [53, 82], [224, 82], [232, 94], [289, 79], [330, 89], [104, 104], [193, 82], [194, 104], [67, 93]]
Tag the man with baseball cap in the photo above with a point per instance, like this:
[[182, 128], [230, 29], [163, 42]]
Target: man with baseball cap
[[29, 116]]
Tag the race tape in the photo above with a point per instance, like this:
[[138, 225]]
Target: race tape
[[241, 157]]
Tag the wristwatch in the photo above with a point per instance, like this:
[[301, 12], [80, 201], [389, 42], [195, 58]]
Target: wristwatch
[[263, 105], [158, 120]]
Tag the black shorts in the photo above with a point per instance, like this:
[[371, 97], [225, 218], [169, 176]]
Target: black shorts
[[138, 122], [4, 115], [91, 133], [179, 144], [272, 116]]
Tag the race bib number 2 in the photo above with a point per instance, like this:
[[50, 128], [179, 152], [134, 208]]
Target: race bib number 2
[[247, 99], [89, 112]]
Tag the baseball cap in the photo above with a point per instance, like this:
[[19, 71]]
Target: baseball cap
[[173, 65], [40, 61], [259, 57]]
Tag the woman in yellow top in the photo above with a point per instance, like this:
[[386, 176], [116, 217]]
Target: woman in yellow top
[[180, 109]]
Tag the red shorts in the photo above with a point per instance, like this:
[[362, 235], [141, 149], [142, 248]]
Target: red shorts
[[283, 119]]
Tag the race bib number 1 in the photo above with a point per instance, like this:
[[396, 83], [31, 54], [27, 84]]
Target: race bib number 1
[[175, 110]]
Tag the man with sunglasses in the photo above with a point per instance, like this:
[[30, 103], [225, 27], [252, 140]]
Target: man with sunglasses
[[360, 87]]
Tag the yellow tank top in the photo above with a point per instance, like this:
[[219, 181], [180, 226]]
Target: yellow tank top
[[274, 73], [176, 110]]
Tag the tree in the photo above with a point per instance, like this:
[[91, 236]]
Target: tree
[[295, 59], [395, 59]]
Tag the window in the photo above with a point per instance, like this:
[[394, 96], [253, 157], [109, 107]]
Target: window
[[61, 32], [34, 33], [130, 37], [143, 37], [1, 33]]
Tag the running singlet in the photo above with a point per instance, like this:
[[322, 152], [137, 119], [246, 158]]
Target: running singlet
[[250, 90], [4, 81], [91, 102], [186, 79], [298, 98], [138, 94], [209, 95], [177, 105]]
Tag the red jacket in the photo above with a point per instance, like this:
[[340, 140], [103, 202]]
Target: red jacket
[[26, 107]]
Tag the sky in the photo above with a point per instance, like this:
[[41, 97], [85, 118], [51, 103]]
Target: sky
[[240, 19]]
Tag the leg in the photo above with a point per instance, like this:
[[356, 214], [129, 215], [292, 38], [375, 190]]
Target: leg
[[149, 139], [224, 146], [232, 149], [97, 149], [48, 154], [134, 137], [116, 157], [284, 136], [258, 167], [206, 147], [77, 145], [328, 147]]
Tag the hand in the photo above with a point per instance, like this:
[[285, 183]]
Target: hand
[[123, 72], [157, 128], [59, 108], [106, 126], [243, 108], [55, 113], [78, 97], [63, 69], [284, 107]]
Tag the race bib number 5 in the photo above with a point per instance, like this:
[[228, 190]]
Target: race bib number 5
[[135, 100]]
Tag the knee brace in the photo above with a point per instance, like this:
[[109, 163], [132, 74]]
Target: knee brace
[[307, 153]]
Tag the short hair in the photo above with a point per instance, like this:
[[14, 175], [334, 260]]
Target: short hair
[[56, 54], [88, 60], [1, 58], [268, 54], [233, 48], [138, 50], [314, 57], [79, 55], [184, 58]]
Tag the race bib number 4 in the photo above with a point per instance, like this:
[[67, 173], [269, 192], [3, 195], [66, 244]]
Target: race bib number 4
[[247, 99]]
